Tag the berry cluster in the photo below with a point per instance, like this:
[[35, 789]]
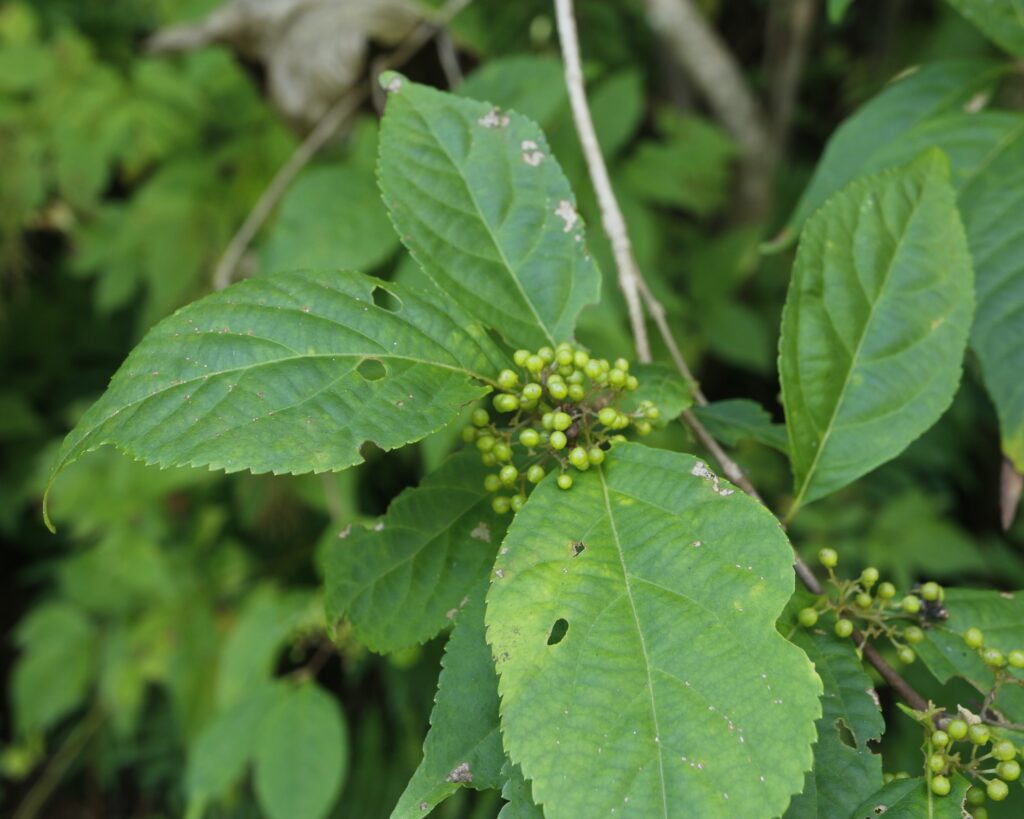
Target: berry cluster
[[873, 607], [560, 405]]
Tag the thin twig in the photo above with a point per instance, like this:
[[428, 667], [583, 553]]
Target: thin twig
[[789, 33], [631, 279], [611, 213], [327, 128], [449, 59]]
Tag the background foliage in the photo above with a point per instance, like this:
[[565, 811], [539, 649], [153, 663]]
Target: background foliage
[[158, 647]]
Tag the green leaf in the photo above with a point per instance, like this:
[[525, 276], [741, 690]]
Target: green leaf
[[223, 750], [845, 771], [632, 624], [738, 419], [271, 375], [53, 674], [518, 796], [531, 84], [911, 799], [1000, 616], [400, 582], [915, 96], [463, 747], [486, 211], [875, 324], [837, 11], [1002, 21], [301, 754], [331, 217]]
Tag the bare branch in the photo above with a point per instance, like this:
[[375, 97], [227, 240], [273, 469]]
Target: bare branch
[[789, 32], [611, 213]]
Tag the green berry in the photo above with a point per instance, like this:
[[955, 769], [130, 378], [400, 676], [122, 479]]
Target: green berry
[[607, 416], [643, 427], [913, 635], [605, 365], [863, 600], [869, 577], [997, 790], [979, 813], [535, 364], [529, 438], [828, 558], [901, 775], [508, 475], [547, 355], [507, 379], [974, 638], [593, 369], [940, 785], [564, 357], [558, 440], [936, 763], [485, 443], [576, 377], [931, 591], [517, 502], [1016, 658], [547, 420], [975, 796], [558, 390], [807, 617], [492, 483], [957, 728], [488, 459], [993, 657], [562, 421], [469, 434], [506, 403], [533, 392], [596, 455], [940, 739], [887, 778], [911, 604], [978, 734], [520, 356], [580, 358], [501, 504], [1004, 750], [632, 382], [481, 417], [653, 413], [844, 628], [621, 364], [906, 655], [564, 481], [616, 377], [886, 591], [502, 452], [535, 474], [577, 393], [579, 458], [1008, 770]]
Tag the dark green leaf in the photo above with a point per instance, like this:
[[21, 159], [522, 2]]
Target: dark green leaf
[[911, 799], [1002, 21], [739, 419]]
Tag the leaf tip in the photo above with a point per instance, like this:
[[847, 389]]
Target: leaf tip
[[391, 81]]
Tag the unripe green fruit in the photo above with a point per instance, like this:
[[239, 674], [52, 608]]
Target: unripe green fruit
[[936, 763], [1008, 770], [520, 357], [979, 813], [592, 368], [1016, 658], [562, 421], [564, 357], [596, 455], [993, 657], [911, 604], [492, 483], [997, 790], [488, 459], [1004, 750], [501, 504], [807, 617], [507, 379], [535, 364], [621, 364], [975, 796], [605, 365], [578, 457], [502, 452], [912, 634], [508, 475], [577, 393], [506, 403], [901, 775], [931, 591], [974, 638], [564, 481], [643, 427], [828, 558], [558, 390], [529, 438], [864, 600], [517, 502], [533, 392], [558, 440], [607, 416], [940, 739], [575, 377], [906, 655], [978, 734], [616, 377], [632, 383], [547, 420], [580, 358], [535, 474], [869, 577], [957, 728], [844, 628], [887, 778], [469, 434], [653, 413], [481, 417], [886, 591], [547, 355], [940, 785], [485, 443]]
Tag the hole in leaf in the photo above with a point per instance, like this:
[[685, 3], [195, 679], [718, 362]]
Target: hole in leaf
[[386, 300], [578, 547], [371, 369], [845, 734], [558, 631]]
